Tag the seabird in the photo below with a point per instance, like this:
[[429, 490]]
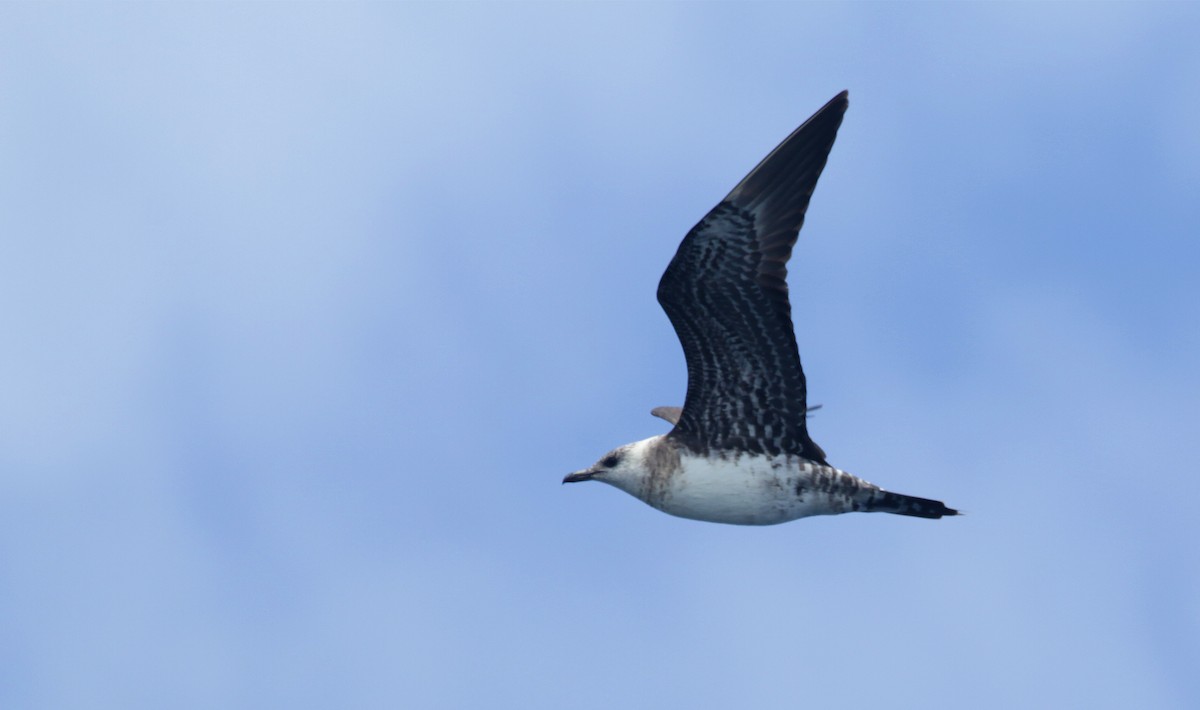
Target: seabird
[[740, 451]]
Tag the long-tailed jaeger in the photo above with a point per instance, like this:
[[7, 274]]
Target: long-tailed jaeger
[[740, 451]]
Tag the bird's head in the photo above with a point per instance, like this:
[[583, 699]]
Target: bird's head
[[622, 467]]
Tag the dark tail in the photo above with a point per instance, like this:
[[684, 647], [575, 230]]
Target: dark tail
[[900, 504]]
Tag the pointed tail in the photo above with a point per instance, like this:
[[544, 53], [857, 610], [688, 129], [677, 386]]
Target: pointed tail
[[900, 504]]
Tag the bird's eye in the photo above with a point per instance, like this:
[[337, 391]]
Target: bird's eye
[[610, 461]]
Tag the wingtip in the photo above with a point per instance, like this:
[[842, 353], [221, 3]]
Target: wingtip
[[838, 104]]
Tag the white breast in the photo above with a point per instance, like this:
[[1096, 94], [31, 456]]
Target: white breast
[[743, 490]]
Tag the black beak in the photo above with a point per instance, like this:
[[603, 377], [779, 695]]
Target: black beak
[[579, 476]]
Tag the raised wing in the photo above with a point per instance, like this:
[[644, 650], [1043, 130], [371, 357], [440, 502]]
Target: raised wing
[[726, 294]]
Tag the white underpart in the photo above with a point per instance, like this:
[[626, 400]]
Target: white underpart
[[747, 490], [742, 490]]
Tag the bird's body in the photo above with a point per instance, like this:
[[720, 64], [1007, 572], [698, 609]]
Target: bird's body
[[740, 451], [748, 489]]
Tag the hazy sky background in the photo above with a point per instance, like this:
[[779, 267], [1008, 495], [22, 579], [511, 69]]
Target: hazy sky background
[[307, 309]]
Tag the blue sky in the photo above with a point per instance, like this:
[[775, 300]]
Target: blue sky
[[310, 307]]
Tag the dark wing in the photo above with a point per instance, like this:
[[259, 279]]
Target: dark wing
[[726, 294]]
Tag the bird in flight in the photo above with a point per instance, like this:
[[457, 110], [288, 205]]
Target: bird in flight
[[740, 451]]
